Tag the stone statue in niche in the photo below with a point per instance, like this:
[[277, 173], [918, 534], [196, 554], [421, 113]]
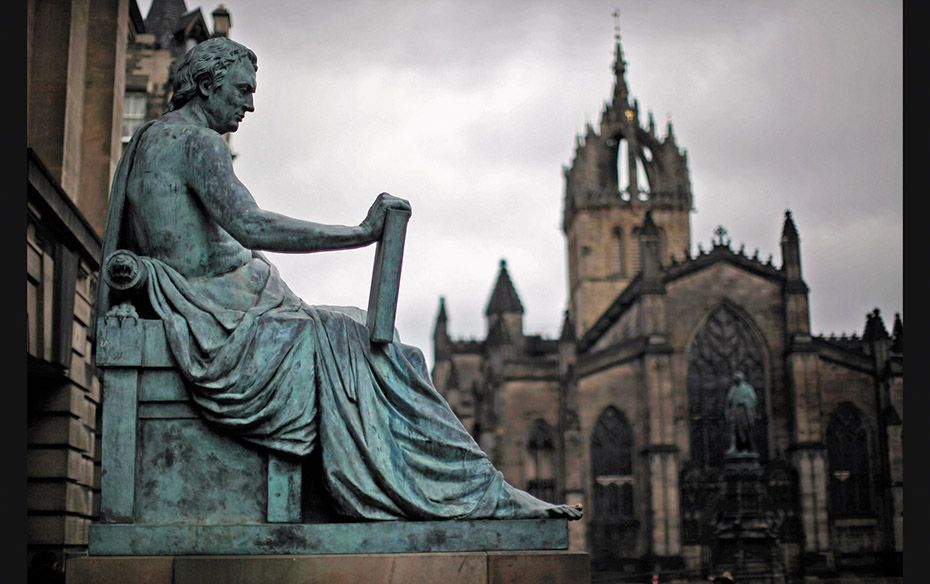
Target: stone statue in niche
[[741, 415], [260, 363]]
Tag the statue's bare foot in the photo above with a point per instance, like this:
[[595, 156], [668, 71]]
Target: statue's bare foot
[[570, 512]]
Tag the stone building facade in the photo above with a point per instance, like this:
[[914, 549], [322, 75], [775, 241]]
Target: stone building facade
[[82, 56], [170, 31], [76, 55], [625, 411]]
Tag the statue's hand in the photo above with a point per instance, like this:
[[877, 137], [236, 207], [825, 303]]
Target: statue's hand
[[373, 223]]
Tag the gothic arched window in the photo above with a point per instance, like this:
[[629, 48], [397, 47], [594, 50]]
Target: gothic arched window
[[848, 455], [541, 463], [629, 171], [612, 471], [726, 344]]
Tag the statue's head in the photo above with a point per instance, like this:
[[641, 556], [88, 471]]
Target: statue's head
[[221, 73], [739, 377]]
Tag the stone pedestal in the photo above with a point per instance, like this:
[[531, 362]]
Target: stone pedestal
[[745, 528], [516, 567]]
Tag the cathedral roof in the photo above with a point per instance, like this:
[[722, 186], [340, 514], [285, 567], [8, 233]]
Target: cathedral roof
[[720, 252], [163, 18], [504, 298], [166, 18], [723, 252]]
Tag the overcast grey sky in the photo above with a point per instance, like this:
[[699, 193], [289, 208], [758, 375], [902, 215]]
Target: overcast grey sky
[[470, 108]]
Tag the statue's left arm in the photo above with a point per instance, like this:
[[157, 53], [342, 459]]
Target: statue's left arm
[[232, 206]]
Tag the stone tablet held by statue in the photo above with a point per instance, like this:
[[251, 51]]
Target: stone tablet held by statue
[[385, 278]]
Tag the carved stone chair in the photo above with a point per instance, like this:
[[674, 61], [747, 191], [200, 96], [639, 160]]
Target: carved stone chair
[[162, 463]]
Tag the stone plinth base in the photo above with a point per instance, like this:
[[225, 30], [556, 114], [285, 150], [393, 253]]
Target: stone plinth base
[[520, 567], [376, 537]]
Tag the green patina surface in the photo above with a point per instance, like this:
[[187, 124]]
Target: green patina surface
[[219, 395], [328, 538]]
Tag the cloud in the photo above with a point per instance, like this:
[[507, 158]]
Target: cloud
[[470, 109]]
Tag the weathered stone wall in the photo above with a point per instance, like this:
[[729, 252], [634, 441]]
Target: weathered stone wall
[[62, 455], [838, 384], [456, 379], [522, 401], [600, 272], [619, 386], [75, 69], [148, 70]]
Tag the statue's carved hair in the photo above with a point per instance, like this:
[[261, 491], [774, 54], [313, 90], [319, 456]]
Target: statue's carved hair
[[209, 59]]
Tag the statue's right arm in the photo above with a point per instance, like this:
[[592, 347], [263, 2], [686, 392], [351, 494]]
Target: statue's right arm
[[232, 206]]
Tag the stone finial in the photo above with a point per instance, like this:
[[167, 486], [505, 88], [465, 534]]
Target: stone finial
[[669, 130], [897, 336], [442, 317], [568, 328], [789, 232], [874, 326], [720, 238]]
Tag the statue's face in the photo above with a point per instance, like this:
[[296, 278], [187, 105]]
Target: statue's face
[[231, 98]]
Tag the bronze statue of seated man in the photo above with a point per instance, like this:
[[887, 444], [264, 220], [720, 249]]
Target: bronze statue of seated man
[[260, 363]]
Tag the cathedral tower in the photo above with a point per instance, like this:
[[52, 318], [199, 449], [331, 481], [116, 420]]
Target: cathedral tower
[[618, 172]]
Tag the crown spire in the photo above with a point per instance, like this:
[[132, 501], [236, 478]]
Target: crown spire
[[621, 92]]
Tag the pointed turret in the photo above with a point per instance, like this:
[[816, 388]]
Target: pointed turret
[[567, 334], [797, 308], [897, 337], [874, 327], [504, 310], [790, 249], [504, 298], [441, 341], [650, 258], [652, 284], [441, 317], [878, 342], [669, 133], [162, 19]]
